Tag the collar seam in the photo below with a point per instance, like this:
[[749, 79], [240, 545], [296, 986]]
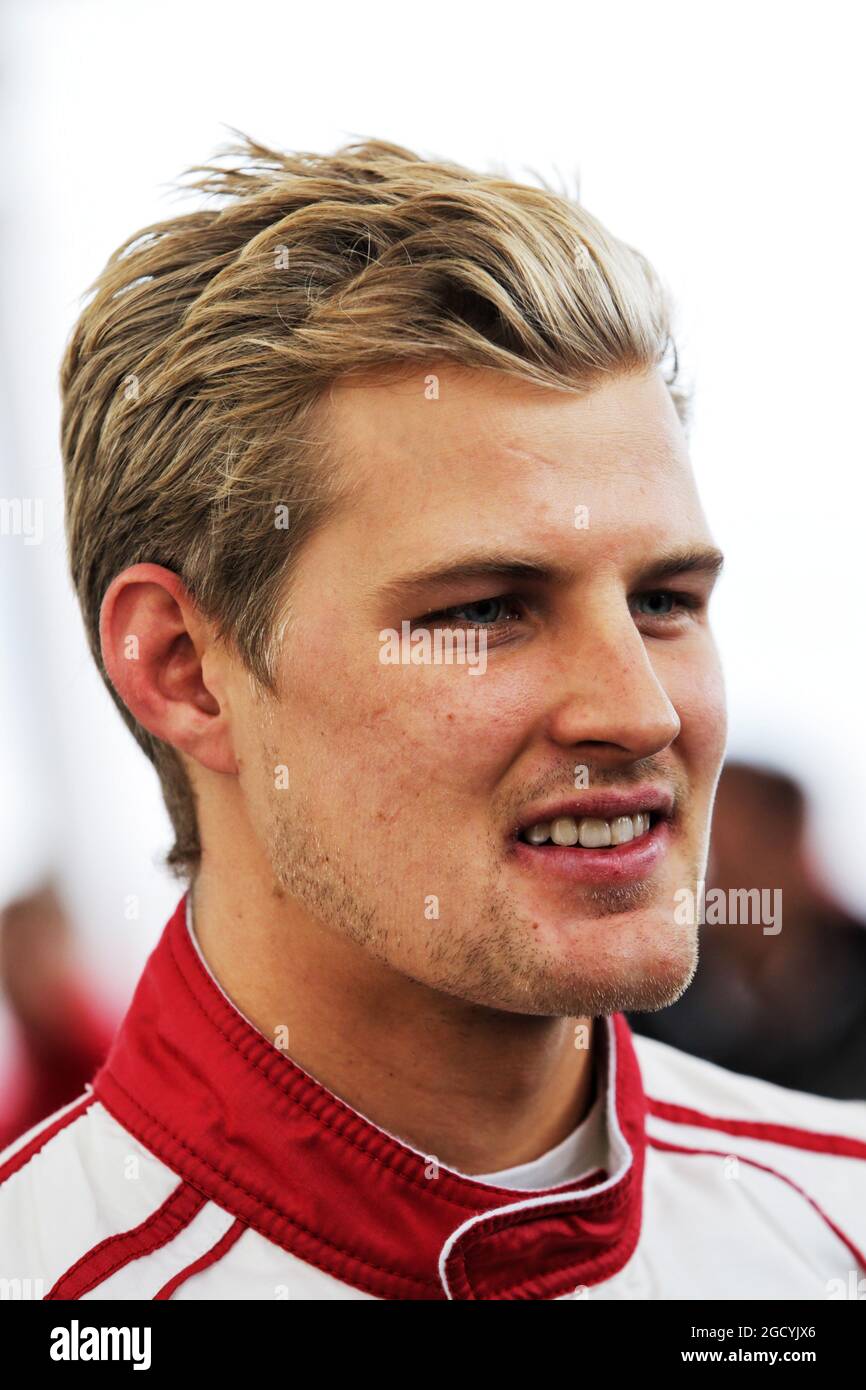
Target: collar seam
[[321, 1092], [301, 1078]]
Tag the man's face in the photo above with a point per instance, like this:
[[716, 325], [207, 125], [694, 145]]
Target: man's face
[[402, 819]]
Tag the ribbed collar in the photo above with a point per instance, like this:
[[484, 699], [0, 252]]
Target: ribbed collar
[[213, 1098]]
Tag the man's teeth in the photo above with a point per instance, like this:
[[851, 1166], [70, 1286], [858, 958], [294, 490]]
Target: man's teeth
[[589, 832]]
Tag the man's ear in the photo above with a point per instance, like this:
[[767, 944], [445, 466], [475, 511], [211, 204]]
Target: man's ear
[[154, 641]]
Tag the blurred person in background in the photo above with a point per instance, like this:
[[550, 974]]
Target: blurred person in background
[[789, 1007], [62, 1032]]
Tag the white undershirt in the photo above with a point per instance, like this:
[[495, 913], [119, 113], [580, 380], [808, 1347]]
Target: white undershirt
[[579, 1153]]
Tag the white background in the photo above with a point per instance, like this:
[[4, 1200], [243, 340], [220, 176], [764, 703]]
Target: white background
[[726, 142]]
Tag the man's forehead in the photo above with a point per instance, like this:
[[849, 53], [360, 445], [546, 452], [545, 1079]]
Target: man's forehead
[[455, 433], [505, 481]]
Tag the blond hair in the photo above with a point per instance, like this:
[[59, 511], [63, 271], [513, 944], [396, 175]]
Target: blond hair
[[192, 381]]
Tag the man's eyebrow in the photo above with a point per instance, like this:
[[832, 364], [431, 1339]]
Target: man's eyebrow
[[492, 565], [512, 568], [702, 559]]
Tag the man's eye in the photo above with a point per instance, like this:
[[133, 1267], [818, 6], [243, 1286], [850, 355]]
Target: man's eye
[[664, 603], [485, 613]]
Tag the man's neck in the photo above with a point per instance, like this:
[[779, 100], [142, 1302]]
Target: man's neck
[[478, 1089]]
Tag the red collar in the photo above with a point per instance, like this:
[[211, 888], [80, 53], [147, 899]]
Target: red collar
[[220, 1105]]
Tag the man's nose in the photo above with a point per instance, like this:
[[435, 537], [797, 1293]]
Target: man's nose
[[608, 691]]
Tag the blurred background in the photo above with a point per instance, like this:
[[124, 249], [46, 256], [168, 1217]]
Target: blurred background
[[725, 143]]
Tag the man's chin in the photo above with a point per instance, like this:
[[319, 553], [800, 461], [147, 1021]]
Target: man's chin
[[647, 965]]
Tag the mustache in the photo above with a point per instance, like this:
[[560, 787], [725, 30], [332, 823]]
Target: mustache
[[601, 776]]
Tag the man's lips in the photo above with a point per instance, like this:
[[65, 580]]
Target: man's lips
[[633, 860], [617, 864]]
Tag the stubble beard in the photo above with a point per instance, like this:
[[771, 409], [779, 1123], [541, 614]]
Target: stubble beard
[[498, 962]]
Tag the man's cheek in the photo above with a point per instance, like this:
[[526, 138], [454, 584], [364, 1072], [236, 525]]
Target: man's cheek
[[478, 714], [446, 717], [702, 710]]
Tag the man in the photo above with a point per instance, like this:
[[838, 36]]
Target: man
[[367, 404]]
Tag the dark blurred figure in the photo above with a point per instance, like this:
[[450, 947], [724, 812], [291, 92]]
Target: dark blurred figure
[[63, 1034], [791, 1007]]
